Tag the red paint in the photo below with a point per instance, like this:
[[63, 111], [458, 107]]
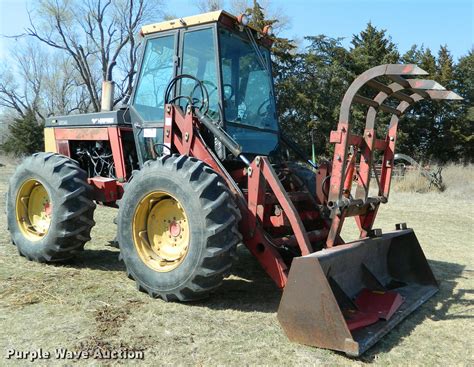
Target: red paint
[[175, 229]]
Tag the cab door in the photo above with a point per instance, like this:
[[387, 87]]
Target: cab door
[[199, 58], [158, 66]]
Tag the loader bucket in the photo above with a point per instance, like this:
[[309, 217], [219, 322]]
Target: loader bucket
[[348, 297]]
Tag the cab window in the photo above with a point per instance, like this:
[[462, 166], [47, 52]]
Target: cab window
[[199, 60], [155, 74]]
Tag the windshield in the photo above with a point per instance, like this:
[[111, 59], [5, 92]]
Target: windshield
[[246, 82]]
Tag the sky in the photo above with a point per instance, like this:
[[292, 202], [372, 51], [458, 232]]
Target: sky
[[428, 22]]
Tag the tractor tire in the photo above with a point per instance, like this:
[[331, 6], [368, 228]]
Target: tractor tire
[[49, 208], [177, 229]]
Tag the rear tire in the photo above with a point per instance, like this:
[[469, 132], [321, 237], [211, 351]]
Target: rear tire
[[66, 220], [205, 211]]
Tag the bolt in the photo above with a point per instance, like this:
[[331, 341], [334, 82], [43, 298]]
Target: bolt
[[167, 133], [338, 158], [392, 138], [186, 136]]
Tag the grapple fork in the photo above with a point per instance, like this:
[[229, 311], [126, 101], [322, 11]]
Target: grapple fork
[[348, 295]]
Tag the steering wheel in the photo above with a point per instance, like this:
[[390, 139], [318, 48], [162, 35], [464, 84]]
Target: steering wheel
[[230, 88], [204, 82], [260, 111], [204, 101]]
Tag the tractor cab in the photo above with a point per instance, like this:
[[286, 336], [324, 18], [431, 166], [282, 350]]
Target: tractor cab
[[232, 62]]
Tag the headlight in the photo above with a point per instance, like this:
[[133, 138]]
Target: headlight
[[268, 31], [243, 19]]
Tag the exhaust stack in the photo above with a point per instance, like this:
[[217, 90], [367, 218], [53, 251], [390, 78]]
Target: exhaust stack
[[107, 101]]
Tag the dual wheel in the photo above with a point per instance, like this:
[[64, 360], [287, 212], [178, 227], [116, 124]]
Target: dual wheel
[[177, 223]]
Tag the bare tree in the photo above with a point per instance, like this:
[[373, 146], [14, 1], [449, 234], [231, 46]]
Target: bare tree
[[93, 34], [270, 9], [209, 5], [44, 82]]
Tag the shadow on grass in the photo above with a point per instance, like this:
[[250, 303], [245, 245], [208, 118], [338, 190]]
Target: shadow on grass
[[249, 289], [103, 259], [448, 276]]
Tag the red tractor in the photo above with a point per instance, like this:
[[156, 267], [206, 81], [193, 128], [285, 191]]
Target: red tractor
[[196, 164]]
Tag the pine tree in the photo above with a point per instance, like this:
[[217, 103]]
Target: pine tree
[[463, 129], [372, 47], [25, 135]]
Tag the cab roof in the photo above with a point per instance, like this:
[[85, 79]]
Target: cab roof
[[205, 18]]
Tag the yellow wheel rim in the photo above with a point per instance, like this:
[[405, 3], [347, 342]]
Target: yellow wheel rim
[[161, 231], [33, 210]]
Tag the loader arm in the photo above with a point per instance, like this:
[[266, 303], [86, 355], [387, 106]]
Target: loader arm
[[359, 290]]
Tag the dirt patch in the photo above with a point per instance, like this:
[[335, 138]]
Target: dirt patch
[[109, 319]]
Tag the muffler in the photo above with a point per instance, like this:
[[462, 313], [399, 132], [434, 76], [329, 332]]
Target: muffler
[[348, 297]]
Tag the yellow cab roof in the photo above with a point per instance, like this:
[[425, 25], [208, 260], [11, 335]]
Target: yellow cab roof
[[205, 18]]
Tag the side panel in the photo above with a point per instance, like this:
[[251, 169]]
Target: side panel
[[49, 140]]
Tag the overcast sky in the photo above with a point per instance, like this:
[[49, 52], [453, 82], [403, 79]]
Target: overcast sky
[[429, 22]]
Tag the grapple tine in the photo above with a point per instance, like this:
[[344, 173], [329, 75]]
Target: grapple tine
[[394, 72], [424, 84], [406, 69], [444, 94]]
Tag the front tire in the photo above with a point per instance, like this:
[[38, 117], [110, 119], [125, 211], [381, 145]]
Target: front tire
[[177, 229], [49, 208]]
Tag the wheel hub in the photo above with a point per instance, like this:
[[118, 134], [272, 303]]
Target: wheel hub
[[161, 231], [175, 229], [33, 210]]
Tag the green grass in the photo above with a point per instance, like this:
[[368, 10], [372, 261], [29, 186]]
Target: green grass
[[90, 303]]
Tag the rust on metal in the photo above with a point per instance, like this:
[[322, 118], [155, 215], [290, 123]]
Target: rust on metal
[[368, 143], [325, 288]]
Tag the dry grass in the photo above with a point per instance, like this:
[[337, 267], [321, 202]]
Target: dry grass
[[457, 179], [90, 304], [412, 181], [6, 160]]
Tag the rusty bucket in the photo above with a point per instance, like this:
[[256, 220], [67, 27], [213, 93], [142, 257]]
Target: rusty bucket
[[348, 297]]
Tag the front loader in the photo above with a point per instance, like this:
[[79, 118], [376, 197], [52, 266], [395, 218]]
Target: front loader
[[196, 164]]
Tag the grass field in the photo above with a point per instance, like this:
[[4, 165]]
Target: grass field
[[90, 304]]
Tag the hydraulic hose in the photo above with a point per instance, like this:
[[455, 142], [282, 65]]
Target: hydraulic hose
[[221, 135]]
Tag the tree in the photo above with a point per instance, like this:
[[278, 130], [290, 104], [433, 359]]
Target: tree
[[209, 5], [95, 34], [41, 81], [463, 130], [372, 47], [30, 81], [439, 131], [25, 135]]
